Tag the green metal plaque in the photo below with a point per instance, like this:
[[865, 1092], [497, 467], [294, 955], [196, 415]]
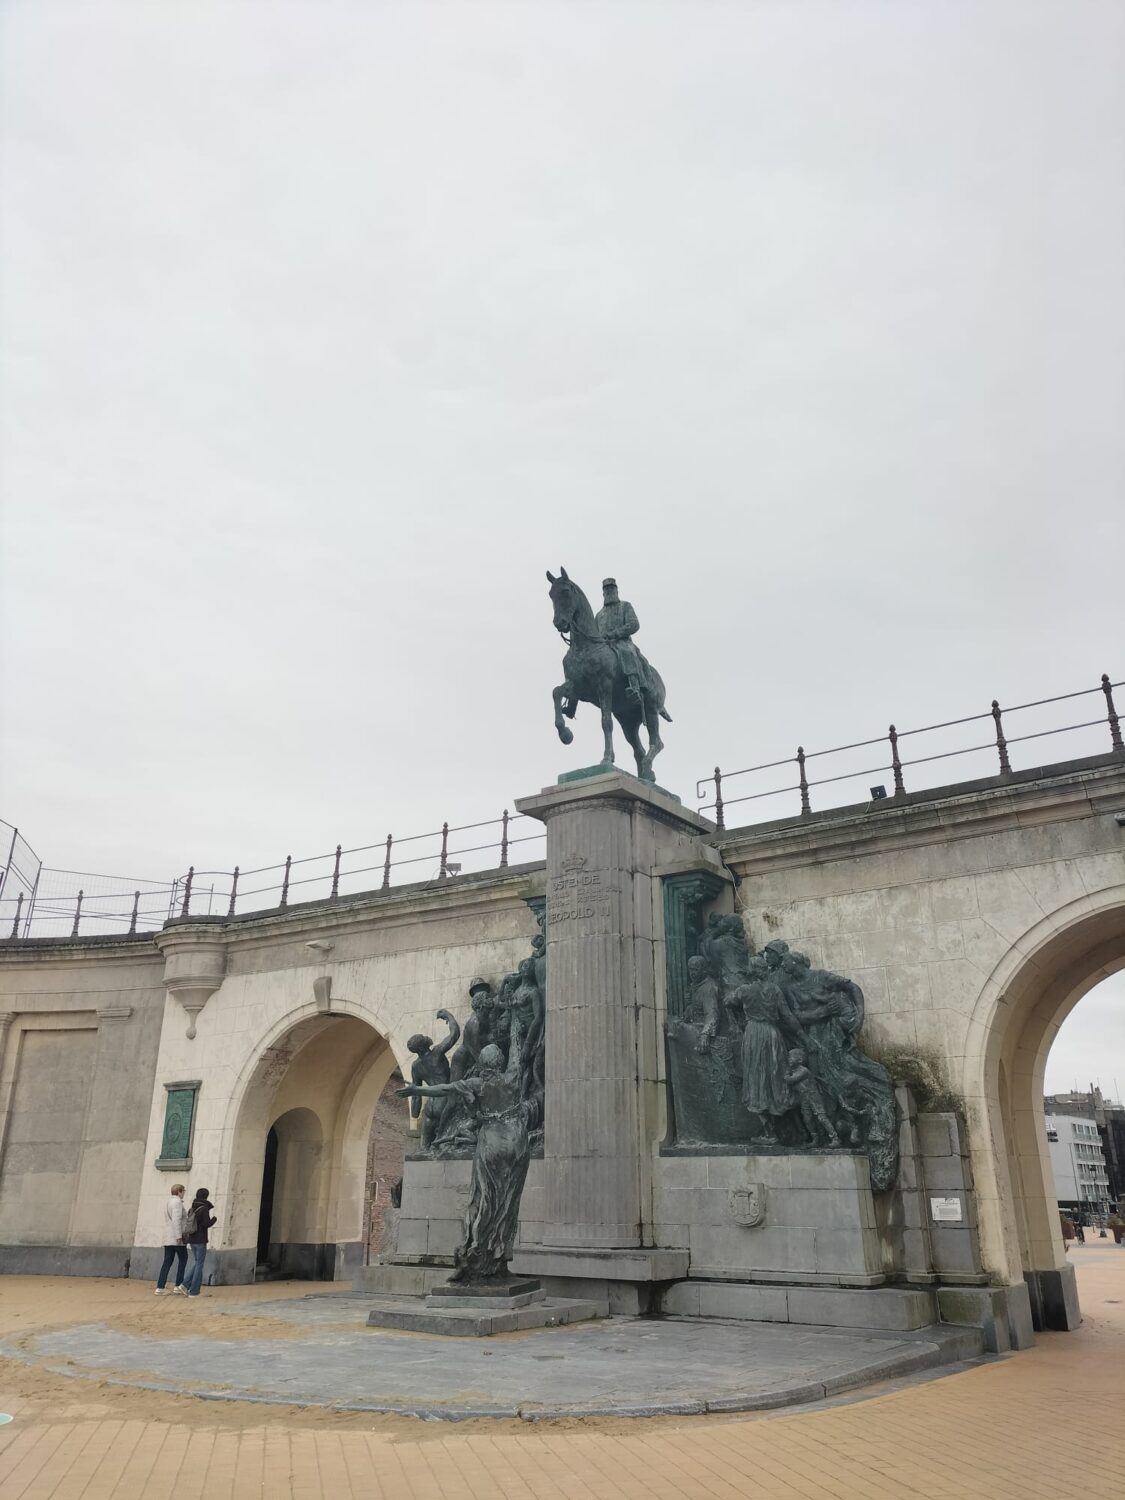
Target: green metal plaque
[[179, 1120]]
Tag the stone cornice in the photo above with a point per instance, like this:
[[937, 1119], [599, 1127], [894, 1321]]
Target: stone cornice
[[616, 789], [122, 948], [1025, 800]]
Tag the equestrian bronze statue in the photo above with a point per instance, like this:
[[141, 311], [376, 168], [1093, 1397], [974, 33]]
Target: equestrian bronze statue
[[602, 666]]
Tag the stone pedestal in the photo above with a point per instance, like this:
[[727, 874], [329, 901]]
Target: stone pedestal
[[603, 1035], [479, 1311], [514, 1291]]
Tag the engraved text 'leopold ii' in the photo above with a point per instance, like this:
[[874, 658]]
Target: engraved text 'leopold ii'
[[577, 893]]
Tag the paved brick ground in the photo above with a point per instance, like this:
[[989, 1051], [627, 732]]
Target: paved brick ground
[[1035, 1425]]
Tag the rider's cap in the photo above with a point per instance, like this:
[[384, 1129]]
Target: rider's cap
[[609, 583], [479, 984]]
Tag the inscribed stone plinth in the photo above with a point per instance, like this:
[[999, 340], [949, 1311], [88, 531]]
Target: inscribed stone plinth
[[602, 1034]]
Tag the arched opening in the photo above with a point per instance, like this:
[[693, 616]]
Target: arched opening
[[296, 1246], [300, 1145], [1083, 1112], [265, 1211], [1026, 1000]]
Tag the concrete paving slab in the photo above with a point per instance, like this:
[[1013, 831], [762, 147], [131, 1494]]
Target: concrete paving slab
[[612, 1367]]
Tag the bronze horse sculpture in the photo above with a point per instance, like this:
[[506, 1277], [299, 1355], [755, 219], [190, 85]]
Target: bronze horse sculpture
[[593, 674]]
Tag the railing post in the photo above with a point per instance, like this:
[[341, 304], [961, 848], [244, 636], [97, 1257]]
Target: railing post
[[1111, 712], [896, 764], [1001, 742], [186, 907], [336, 873], [805, 808], [133, 918], [233, 892], [719, 824], [443, 873], [77, 914], [504, 840], [16, 919], [284, 902]]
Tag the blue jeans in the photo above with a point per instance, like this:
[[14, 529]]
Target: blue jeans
[[195, 1270], [179, 1252]]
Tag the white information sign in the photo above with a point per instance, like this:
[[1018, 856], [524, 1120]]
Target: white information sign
[[945, 1210]]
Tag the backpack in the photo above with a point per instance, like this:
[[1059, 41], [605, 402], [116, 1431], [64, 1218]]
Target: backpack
[[191, 1220]]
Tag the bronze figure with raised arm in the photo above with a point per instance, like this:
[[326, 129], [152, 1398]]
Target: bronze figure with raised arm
[[499, 1163]]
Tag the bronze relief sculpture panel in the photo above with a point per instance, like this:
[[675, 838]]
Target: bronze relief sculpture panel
[[765, 1053]]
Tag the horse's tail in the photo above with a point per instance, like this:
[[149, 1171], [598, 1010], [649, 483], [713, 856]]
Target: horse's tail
[[664, 714]]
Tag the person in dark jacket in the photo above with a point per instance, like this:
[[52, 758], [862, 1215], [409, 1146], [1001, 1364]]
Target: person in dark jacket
[[198, 1220]]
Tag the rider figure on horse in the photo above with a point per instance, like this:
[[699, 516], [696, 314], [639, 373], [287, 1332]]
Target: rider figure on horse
[[617, 621]]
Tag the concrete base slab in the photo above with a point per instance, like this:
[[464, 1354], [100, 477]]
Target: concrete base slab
[[439, 1299], [622, 1282], [618, 1367], [400, 1279], [893, 1309], [489, 1292], [69, 1260], [1002, 1313], [787, 1278], [436, 1316], [223, 1268], [600, 1265]]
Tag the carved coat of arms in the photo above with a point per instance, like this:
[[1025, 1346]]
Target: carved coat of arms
[[747, 1206]]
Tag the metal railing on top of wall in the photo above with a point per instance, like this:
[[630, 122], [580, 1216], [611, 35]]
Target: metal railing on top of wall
[[146, 906], [329, 872], [998, 744]]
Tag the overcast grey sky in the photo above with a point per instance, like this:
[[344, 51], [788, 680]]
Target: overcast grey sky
[[328, 327]]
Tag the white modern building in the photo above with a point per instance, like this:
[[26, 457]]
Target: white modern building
[[1078, 1162]]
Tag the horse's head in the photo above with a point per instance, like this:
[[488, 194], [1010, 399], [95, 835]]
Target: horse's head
[[564, 596]]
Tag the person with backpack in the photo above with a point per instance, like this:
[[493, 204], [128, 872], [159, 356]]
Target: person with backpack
[[197, 1221], [174, 1247]]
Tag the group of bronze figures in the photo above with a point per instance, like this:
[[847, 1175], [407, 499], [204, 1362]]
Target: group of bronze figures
[[768, 1056], [487, 1100]]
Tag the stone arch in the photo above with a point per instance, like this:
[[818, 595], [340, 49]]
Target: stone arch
[[315, 1079], [1025, 1000]]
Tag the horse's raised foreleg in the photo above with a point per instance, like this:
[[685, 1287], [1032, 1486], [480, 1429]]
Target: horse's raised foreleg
[[563, 693]]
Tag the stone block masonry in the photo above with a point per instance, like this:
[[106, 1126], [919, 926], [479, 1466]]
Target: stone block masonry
[[603, 1037], [79, 1034], [817, 1217]]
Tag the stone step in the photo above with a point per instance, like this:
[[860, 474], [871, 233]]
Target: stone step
[[413, 1316], [440, 1298], [887, 1309], [400, 1280]]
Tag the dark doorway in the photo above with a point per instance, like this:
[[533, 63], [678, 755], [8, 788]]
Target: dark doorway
[[265, 1213]]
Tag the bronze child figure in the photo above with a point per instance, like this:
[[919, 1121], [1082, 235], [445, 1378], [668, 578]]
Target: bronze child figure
[[431, 1066], [813, 1113]]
